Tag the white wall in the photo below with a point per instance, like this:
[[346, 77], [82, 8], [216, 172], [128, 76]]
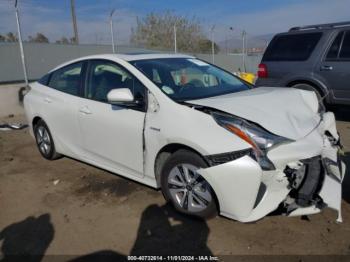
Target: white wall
[[40, 58]]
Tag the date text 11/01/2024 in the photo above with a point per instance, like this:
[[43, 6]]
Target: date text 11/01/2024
[[173, 258]]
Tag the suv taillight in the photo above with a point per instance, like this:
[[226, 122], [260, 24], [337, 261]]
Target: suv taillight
[[262, 71]]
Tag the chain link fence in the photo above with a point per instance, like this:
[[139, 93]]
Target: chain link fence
[[48, 38]]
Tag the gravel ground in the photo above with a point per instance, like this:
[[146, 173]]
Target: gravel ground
[[66, 207]]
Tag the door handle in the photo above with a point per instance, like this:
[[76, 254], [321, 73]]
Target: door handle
[[326, 68], [85, 110], [47, 100]]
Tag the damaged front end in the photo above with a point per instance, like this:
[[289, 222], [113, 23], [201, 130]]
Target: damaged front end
[[315, 183], [306, 178]]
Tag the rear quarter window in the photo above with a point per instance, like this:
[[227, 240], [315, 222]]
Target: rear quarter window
[[44, 80], [292, 47], [67, 79]]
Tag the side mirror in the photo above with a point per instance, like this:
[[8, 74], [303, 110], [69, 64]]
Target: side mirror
[[121, 95]]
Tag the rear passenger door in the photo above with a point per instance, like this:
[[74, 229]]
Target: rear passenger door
[[59, 103], [335, 67]]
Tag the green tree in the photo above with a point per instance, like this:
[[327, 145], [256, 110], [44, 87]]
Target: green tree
[[72, 40], [205, 46], [157, 31], [38, 38], [11, 37], [63, 40]]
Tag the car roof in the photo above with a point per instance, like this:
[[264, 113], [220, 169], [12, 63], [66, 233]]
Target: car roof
[[329, 26], [144, 56], [134, 56], [126, 57]]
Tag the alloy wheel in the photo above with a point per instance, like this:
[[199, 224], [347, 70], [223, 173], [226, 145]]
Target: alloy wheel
[[188, 189], [43, 140]]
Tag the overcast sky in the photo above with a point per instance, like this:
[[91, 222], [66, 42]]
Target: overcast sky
[[257, 17]]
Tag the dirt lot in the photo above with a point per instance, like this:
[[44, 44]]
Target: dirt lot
[[68, 207]]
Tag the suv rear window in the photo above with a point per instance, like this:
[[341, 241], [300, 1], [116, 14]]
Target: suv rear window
[[296, 47]]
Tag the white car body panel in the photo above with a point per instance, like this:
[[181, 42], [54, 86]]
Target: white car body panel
[[275, 181], [107, 131], [62, 109], [127, 142], [294, 118], [230, 184]]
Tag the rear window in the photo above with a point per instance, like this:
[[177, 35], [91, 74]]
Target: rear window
[[297, 47]]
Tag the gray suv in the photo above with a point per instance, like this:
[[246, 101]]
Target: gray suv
[[315, 57]]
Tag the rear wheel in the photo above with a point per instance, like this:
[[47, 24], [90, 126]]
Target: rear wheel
[[44, 141], [188, 191]]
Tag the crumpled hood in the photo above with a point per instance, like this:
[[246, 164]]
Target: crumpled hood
[[287, 112]]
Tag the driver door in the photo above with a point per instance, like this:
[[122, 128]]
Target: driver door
[[112, 135]]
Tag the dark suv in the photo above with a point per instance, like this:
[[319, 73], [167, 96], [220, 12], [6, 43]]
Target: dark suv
[[313, 57]]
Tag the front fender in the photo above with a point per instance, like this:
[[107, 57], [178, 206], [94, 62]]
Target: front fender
[[236, 185]]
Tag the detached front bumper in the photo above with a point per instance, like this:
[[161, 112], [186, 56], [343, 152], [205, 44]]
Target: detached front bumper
[[307, 178]]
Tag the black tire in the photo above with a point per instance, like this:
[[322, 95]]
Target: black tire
[[186, 157], [45, 146], [310, 88]]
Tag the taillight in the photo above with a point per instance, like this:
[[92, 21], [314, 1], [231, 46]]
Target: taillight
[[262, 71]]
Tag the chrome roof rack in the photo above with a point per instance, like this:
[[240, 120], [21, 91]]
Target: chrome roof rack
[[320, 26]]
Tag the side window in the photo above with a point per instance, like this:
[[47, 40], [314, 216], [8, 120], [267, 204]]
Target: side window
[[67, 79], [345, 48], [105, 76], [334, 49]]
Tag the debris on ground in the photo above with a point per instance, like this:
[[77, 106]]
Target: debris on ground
[[7, 127], [56, 182], [123, 199]]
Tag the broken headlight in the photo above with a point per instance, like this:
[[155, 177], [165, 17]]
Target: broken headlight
[[260, 139]]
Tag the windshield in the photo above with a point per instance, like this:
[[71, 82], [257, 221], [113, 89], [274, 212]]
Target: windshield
[[189, 78]]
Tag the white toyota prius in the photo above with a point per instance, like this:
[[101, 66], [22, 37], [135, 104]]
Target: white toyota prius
[[211, 142]]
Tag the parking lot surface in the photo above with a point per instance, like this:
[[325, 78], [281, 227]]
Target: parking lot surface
[[68, 207]]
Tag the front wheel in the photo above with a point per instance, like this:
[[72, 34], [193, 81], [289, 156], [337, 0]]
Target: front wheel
[[188, 191]]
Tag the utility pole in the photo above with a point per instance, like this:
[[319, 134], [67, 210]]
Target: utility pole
[[212, 44], [21, 45], [244, 49], [74, 21], [112, 31], [175, 39]]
